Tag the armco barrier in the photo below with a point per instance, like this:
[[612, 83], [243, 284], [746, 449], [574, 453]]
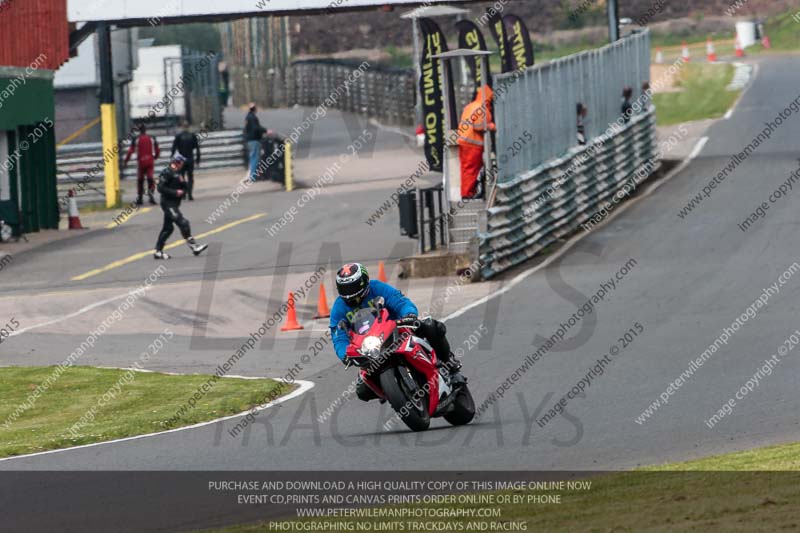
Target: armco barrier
[[219, 150], [517, 231]]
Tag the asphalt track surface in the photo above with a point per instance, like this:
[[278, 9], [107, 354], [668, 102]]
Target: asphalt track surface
[[692, 277]]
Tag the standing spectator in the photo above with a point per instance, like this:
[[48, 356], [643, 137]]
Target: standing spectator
[[627, 107], [186, 144], [147, 151], [476, 120], [224, 84], [582, 112], [253, 132]]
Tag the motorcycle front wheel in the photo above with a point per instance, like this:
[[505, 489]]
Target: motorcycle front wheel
[[463, 408], [410, 405]]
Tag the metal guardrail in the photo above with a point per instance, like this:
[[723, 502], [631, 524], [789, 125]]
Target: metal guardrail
[[536, 108], [382, 93], [543, 205], [221, 149]]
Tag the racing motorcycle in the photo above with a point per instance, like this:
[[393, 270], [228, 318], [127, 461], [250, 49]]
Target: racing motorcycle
[[404, 370]]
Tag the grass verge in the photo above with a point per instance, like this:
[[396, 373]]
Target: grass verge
[[703, 94], [754, 490], [131, 407]]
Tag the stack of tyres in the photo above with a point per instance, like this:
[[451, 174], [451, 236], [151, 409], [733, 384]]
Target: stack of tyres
[[273, 159]]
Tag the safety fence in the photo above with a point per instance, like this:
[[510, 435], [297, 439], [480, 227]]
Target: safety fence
[[548, 184], [543, 205], [535, 108], [383, 93], [386, 94]]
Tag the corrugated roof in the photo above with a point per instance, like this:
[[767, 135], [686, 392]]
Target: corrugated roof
[[34, 33]]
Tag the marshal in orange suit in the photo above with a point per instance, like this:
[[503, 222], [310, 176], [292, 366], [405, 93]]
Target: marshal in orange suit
[[475, 120]]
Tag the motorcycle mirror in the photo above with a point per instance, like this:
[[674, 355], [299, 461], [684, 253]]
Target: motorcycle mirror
[[379, 302]]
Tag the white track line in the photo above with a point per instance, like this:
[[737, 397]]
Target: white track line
[[76, 313], [304, 386], [746, 88], [698, 148]]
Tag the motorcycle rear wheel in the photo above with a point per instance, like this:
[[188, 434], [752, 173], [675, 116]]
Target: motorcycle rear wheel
[[463, 408], [416, 418]]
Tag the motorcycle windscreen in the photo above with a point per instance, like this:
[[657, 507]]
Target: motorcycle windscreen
[[362, 321]]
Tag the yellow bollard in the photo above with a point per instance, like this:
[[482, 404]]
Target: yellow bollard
[[287, 167], [108, 115]]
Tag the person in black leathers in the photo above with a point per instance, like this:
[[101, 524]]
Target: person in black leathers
[[172, 188], [187, 144]]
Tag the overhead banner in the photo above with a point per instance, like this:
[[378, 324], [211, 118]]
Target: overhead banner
[[519, 41], [430, 89], [471, 38], [499, 33]]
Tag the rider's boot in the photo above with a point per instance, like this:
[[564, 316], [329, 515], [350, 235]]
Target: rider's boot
[[453, 365], [196, 248]]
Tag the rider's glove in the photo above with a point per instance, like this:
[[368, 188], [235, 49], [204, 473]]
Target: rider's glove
[[409, 320]]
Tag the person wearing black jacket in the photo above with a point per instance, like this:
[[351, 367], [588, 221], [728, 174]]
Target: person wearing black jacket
[[253, 132], [187, 145], [627, 107], [172, 188]]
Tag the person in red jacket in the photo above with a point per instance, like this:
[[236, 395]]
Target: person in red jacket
[[147, 151]]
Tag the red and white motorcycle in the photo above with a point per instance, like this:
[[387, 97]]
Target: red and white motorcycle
[[403, 369]]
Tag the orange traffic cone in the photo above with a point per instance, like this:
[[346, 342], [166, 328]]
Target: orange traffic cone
[[659, 56], [322, 304], [685, 52], [710, 52], [291, 317], [74, 215], [739, 49], [381, 272]]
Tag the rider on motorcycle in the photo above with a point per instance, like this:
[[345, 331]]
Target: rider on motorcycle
[[357, 291]]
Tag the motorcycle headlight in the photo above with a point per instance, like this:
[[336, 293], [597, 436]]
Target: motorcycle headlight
[[371, 346]]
